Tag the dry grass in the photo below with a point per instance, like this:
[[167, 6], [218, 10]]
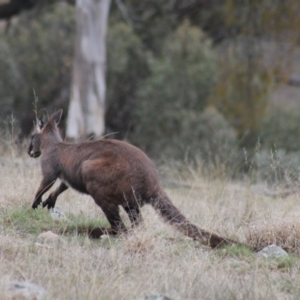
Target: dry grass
[[152, 259]]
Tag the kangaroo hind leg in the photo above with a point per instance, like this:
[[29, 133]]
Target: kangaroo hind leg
[[98, 185], [134, 215], [112, 214]]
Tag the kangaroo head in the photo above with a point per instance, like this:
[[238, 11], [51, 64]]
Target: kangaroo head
[[45, 130]]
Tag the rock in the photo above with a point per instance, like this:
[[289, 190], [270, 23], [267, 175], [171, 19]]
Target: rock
[[156, 297], [104, 236], [272, 251], [19, 290], [57, 213], [48, 235]]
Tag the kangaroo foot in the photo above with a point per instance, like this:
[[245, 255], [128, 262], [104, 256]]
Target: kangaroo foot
[[96, 233]]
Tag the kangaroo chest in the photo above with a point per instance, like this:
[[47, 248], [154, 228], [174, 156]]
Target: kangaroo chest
[[74, 180]]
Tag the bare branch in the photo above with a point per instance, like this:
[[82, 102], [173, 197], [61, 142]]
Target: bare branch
[[13, 7], [124, 12]]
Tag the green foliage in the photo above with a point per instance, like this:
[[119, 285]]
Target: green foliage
[[163, 71], [267, 17], [216, 139], [38, 55], [276, 157], [9, 80], [170, 103], [248, 67], [243, 88], [281, 128], [126, 67], [152, 21]]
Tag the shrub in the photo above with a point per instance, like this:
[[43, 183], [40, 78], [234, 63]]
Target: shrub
[[9, 80], [212, 138], [171, 100], [38, 55], [281, 129], [243, 88], [276, 157], [126, 67], [274, 166]]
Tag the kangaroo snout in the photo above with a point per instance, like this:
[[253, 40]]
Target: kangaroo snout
[[33, 154]]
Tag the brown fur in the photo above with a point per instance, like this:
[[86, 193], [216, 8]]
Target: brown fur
[[112, 172]]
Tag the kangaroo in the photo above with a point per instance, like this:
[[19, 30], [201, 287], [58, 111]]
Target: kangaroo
[[114, 173]]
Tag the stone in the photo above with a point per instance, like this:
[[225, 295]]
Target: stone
[[272, 251], [48, 235], [21, 290], [104, 236], [57, 213]]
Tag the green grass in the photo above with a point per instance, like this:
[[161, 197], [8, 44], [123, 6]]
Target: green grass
[[29, 221], [285, 263], [236, 251]]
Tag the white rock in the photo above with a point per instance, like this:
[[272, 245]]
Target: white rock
[[25, 291], [273, 251], [57, 213], [104, 236], [48, 235]]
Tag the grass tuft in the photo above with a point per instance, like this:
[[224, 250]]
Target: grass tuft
[[30, 221], [236, 251], [284, 263], [281, 232]]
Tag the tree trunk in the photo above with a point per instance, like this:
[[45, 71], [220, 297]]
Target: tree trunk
[[87, 104]]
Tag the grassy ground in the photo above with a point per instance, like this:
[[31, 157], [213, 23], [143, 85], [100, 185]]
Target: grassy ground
[[152, 259]]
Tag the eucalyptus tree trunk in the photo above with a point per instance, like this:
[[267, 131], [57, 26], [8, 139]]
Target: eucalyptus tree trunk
[[87, 104]]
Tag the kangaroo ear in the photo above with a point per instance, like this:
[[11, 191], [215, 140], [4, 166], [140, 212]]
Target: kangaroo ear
[[42, 119], [57, 116]]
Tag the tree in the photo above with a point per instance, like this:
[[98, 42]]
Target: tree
[[87, 105], [170, 101], [261, 35], [36, 52]]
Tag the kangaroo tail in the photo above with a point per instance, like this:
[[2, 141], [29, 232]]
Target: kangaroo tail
[[172, 215]]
